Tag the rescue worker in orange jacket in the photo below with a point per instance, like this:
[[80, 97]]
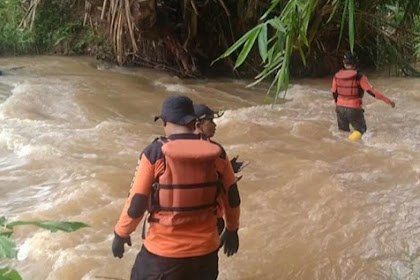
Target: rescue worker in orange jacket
[[348, 87], [205, 125], [178, 180]]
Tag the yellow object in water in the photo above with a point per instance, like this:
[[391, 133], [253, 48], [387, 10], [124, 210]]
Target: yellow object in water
[[355, 136]]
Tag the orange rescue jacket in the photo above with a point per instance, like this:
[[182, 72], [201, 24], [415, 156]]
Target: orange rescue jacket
[[183, 223], [187, 191], [349, 93]]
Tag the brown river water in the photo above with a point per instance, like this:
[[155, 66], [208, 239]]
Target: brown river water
[[314, 204]]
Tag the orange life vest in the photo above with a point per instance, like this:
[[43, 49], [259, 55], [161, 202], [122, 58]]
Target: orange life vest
[[348, 90], [188, 189]]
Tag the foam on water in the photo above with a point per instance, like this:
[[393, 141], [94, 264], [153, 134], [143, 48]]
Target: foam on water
[[178, 88], [329, 208], [42, 100]]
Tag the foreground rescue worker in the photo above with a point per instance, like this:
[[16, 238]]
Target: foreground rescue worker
[[348, 88], [205, 125], [178, 180]]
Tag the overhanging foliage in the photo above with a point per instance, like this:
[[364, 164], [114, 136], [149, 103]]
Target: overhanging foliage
[[381, 30]]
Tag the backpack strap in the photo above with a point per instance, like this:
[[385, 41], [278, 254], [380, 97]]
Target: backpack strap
[[154, 194]]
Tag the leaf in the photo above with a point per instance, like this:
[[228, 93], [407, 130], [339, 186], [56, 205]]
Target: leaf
[[247, 47], [270, 53], [272, 84], [342, 24], [303, 37], [237, 44], [273, 5], [288, 9], [262, 42], [3, 221], [417, 48], [263, 75], [302, 55], [280, 82], [276, 24], [7, 248], [309, 8], [9, 274], [5, 231], [269, 68], [52, 226], [273, 62], [334, 10], [351, 24]]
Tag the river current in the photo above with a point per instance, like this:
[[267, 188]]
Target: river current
[[314, 204]]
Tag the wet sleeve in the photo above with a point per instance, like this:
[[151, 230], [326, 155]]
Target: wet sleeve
[[334, 86], [365, 85], [231, 198], [137, 201]]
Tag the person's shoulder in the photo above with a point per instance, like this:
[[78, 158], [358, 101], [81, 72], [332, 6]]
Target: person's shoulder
[[223, 151], [153, 151], [337, 72], [359, 75]]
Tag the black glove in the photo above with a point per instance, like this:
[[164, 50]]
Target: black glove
[[220, 225], [237, 166], [230, 242], [118, 245]]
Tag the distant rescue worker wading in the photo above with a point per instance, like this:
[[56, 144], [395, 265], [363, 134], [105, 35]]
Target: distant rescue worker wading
[[348, 88]]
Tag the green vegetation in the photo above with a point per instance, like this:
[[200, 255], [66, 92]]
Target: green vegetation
[[48, 27], [283, 38], [278, 37], [311, 35], [12, 39], [8, 246]]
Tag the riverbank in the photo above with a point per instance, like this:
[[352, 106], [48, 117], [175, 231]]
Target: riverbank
[[185, 38]]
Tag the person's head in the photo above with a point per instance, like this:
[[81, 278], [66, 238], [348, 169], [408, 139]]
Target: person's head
[[350, 60], [177, 115], [205, 120]]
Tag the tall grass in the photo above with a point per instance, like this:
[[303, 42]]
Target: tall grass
[[12, 39], [48, 26]]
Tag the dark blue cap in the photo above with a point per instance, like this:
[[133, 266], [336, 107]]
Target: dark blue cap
[[177, 109], [350, 58], [202, 112]]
